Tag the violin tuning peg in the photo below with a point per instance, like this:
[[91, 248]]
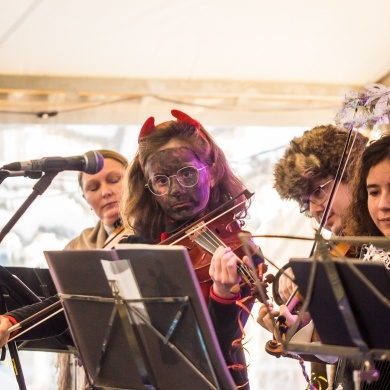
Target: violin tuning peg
[[269, 278], [235, 289], [262, 267], [283, 328]]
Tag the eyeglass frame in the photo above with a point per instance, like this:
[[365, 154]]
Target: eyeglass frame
[[169, 181], [305, 205]]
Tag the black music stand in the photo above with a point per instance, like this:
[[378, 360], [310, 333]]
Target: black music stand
[[161, 337], [23, 286], [366, 303], [38, 280], [349, 301]]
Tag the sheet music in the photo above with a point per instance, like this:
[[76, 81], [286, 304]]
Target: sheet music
[[121, 273]]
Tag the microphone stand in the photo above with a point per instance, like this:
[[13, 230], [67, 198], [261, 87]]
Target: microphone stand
[[13, 351], [38, 189], [3, 175], [31, 174]]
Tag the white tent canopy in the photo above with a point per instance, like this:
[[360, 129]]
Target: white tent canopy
[[247, 62], [79, 75]]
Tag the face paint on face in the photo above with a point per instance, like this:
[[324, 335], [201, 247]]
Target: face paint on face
[[179, 203]]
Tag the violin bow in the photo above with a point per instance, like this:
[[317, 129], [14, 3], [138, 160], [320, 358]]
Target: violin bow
[[210, 217], [33, 317], [337, 180]]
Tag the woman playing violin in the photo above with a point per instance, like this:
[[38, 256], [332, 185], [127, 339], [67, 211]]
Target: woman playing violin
[[179, 175], [369, 211], [369, 215], [306, 174]]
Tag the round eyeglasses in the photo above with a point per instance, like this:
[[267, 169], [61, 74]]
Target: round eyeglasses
[[317, 196], [186, 177]]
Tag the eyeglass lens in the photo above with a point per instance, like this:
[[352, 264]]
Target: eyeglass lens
[[318, 196], [186, 176]]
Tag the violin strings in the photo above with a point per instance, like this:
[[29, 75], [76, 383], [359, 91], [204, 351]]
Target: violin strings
[[208, 222], [215, 241]]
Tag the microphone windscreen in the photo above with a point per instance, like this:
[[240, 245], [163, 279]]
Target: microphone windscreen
[[94, 162]]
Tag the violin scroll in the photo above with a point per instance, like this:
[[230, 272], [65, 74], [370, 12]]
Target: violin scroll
[[274, 348]]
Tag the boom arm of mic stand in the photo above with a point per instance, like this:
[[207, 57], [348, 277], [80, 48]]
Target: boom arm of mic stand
[[38, 189]]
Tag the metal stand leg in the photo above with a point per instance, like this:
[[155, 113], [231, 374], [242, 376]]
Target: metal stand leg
[[16, 365], [13, 351]]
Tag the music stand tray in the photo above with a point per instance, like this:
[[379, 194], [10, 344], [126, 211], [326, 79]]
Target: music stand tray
[[160, 337], [367, 289]]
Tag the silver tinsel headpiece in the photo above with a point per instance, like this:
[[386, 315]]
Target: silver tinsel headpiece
[[365, 109]]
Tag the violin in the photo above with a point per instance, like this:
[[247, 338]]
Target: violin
[[294, 303], [343, 249], [202, 238], [274, 347]]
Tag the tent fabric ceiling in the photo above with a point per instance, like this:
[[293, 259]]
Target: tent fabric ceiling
[[263, 58]]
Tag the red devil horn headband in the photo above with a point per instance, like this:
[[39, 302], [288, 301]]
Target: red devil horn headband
[[147, 128], [184, 118], [181, 117]]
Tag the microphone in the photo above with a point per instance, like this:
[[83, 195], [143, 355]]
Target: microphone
[[91, 162]]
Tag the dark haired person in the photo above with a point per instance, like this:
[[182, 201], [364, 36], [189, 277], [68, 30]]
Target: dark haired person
[[306, 175], [369, 215]]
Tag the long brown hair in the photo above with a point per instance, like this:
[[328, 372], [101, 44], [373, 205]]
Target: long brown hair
[[140, 211], [358, 220]]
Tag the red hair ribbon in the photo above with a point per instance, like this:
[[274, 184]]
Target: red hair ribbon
[[181, 117]]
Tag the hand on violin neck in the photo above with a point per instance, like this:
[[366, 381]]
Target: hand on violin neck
[[276, 321], [223, 272], [266, 316], [288, 318], [279, 321]]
